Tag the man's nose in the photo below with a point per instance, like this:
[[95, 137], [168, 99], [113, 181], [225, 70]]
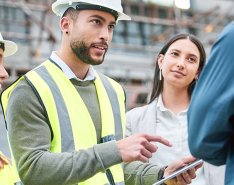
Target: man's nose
[[105, 34], [3, 73]]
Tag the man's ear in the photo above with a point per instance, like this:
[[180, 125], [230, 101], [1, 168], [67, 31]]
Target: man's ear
[[65, 23]]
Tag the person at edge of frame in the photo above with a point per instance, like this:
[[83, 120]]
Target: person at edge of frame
[[211, 114], [8, 175]]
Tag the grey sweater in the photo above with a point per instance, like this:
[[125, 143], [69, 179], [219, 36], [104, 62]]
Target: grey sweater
[[30, 140]]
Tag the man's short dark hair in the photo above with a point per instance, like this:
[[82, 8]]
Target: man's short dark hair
[[2, 46], [71, 12]]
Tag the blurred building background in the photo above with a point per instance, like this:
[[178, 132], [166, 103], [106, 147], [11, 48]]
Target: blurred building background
[[131, 58]]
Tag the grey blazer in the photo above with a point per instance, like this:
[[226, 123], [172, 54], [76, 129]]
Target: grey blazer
[[147, 114]]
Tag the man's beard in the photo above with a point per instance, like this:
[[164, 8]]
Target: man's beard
[[81, 50]]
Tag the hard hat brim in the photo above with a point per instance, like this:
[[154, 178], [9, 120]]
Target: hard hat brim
[[59, 10], [123, 16], [10, 48]]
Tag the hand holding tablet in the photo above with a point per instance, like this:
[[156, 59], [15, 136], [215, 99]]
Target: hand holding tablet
[[180, 171]]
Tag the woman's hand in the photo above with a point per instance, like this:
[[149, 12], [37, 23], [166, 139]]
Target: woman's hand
[[185, 177]]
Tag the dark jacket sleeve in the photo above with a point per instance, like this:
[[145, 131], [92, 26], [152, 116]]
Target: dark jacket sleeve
[[211, 111]]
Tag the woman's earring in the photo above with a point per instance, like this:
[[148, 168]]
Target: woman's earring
[[160, 74]]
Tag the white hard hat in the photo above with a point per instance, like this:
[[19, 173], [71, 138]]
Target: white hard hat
[[112, 6], [8, 47]]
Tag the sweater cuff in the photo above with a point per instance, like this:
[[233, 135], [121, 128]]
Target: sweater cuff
[[161, 174], [108, 154]]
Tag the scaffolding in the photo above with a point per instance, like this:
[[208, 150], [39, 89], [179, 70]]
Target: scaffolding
[[131, 58]]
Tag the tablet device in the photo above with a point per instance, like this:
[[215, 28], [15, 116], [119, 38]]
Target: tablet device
[[179, 171]]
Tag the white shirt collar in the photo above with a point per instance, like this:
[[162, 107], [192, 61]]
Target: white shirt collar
[[161, 106], [68, 72]]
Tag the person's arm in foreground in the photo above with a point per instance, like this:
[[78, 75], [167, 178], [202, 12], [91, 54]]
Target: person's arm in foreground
[[139, 173], [210, 129], [30, 139]]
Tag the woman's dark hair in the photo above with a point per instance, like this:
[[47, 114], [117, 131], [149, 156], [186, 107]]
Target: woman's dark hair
[[158, 84]]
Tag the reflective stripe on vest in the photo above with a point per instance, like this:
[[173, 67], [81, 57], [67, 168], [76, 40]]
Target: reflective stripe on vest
[[66, 113], [117, 183]]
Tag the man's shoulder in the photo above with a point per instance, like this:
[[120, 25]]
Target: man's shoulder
[[227, 35], [107, 77], [21, 89], [111, 80]]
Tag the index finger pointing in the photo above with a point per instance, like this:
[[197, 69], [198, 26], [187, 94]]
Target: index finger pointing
[[157, 139]]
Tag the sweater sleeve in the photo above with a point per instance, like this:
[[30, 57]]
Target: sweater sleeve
[[30, 140], [139, 173], [211, 111]]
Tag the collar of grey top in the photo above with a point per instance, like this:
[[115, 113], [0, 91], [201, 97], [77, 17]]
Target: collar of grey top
[[73, 80], [81, 83]]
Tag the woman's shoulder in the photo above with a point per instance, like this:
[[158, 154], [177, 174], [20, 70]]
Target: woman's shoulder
[[139, 119], [139, 111]]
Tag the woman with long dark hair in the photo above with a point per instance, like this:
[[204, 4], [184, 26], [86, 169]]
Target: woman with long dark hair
[[177, 69]]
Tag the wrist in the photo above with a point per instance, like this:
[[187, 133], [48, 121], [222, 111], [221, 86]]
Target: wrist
[[162, 174]]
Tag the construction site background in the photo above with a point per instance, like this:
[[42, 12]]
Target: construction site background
[[131, 57]]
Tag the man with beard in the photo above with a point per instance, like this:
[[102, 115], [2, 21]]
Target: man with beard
[[66, 121]]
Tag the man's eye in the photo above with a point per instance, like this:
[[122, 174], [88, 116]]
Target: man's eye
[[96, 21], [112, 27]]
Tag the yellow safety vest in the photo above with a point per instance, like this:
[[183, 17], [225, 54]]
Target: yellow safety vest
[[55, 91]]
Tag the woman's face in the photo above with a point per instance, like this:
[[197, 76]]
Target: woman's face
[[180, 63]]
